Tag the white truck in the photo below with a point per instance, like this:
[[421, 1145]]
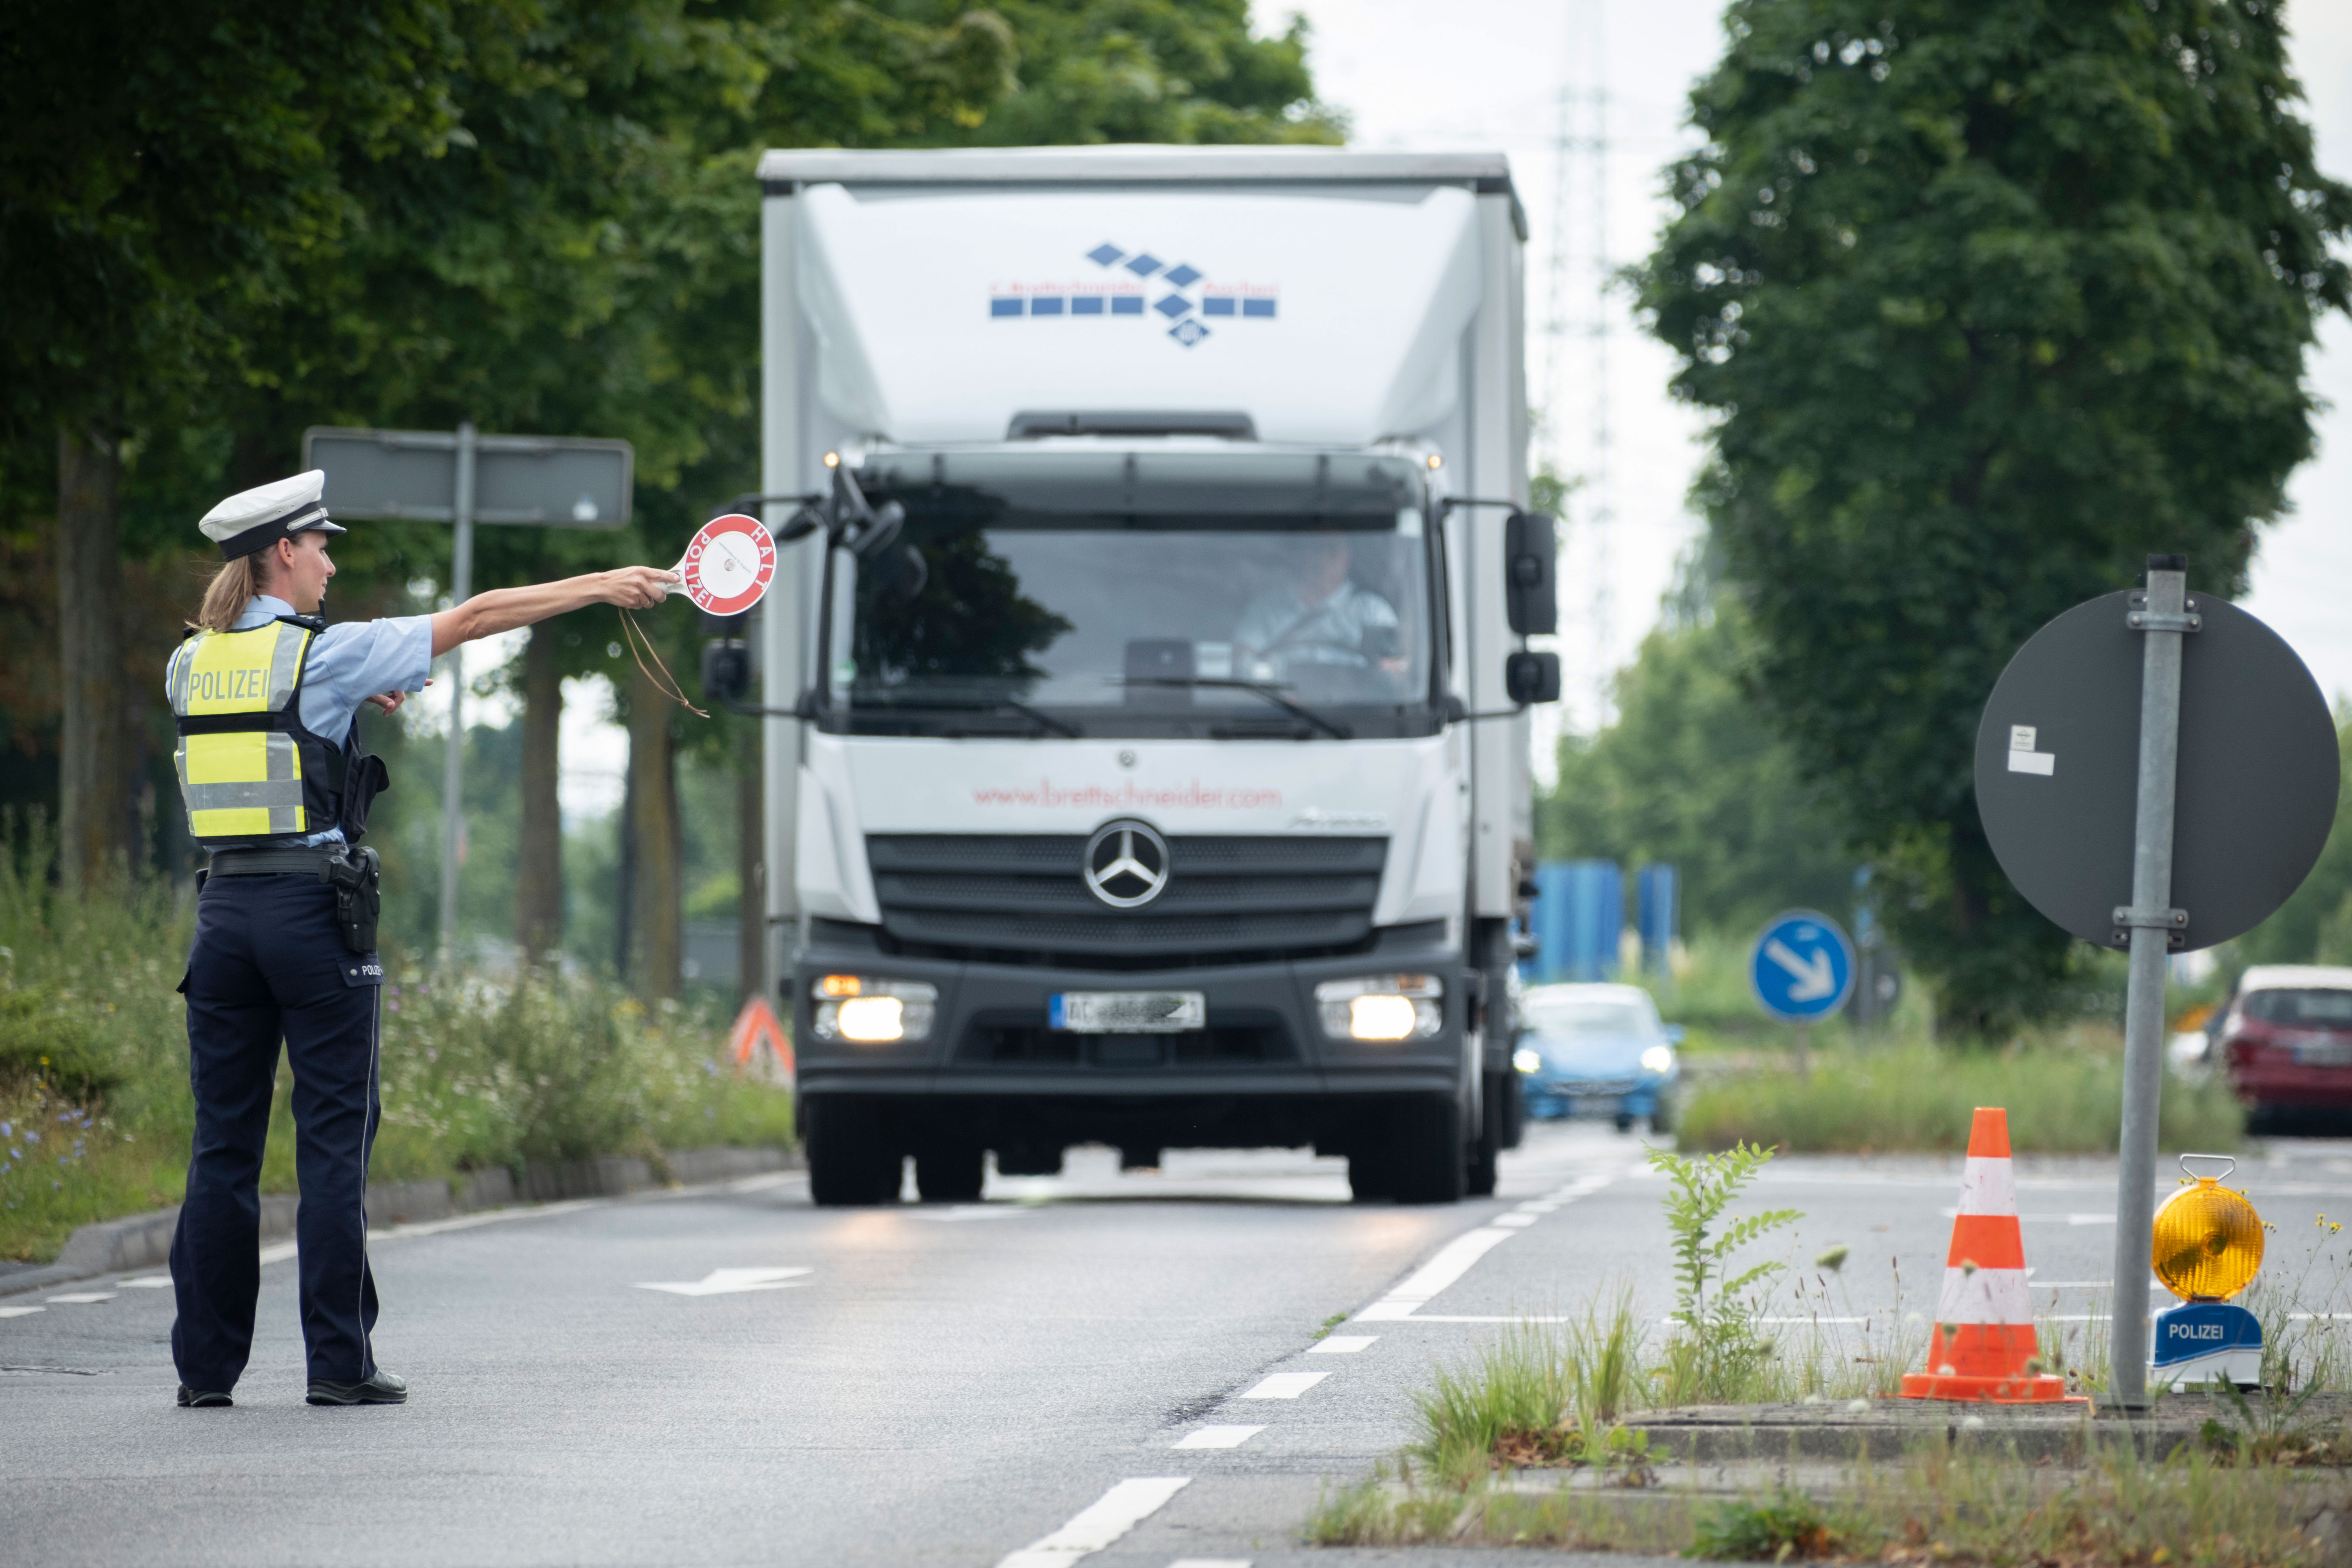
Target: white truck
[[1147, 758]]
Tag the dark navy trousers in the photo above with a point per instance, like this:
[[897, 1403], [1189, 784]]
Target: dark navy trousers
[[269, 965]]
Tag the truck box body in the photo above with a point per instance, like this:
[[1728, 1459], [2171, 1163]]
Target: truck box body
[[1181, 692]]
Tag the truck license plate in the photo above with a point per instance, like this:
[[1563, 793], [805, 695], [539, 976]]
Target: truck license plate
[[1128, 1012]]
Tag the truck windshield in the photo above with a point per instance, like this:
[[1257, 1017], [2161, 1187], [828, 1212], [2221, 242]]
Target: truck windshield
[[1115, 593]]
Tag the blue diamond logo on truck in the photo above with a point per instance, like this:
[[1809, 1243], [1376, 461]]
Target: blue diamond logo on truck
[[1178, 307]]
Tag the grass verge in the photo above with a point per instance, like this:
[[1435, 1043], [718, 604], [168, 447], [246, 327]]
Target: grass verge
[[2061, 1100], [1936, 1506], [96, 1114]]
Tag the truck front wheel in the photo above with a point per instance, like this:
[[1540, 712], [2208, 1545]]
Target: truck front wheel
[[851, 1158], [1426, 1153], [950, 1169]]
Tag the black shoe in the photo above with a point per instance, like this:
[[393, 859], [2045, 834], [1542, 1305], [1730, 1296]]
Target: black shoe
[[384, 1388], [202, 1398]]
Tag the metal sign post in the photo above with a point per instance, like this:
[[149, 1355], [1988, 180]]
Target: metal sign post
[[2162, 621], [462, 477], [2204, 719]]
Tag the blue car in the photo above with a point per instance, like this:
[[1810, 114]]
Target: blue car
[[1596, 1050]]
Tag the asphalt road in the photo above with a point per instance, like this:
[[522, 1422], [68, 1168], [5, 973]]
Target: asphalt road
[[927, 1385]]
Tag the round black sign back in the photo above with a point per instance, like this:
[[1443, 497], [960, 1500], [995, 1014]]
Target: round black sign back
[[2058, 766]]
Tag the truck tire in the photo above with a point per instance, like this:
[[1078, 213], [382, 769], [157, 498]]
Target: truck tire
[[1485, 1149], [1372, 1175], [1427, 1149], [950, 1171], [851, 1158]]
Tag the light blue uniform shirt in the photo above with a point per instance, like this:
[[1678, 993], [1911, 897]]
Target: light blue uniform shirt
[[348, 664]]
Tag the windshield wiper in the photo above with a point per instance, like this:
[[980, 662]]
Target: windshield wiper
[[1037, 716], [1256, 688]]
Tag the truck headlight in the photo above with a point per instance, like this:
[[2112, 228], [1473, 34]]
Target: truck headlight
[[1658, 1060], [1381, 1008], [870, 1012], [1527, 1058]]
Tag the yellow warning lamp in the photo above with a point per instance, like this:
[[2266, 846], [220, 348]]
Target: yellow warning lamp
[[2209, 1239]]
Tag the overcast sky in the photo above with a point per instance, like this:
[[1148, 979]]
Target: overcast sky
[[1489, 73]]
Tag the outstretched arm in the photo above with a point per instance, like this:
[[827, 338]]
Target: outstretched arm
[[503, 609]]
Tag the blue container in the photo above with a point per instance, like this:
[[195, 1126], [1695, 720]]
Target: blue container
[[1658, 902], [1579, 920]]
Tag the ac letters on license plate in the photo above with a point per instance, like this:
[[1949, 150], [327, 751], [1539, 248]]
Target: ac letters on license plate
[[1128, 1012]]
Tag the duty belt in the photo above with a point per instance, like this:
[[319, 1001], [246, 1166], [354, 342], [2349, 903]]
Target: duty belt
[[311, 861]]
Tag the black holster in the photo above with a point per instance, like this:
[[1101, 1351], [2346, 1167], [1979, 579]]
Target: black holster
[[356, 877]]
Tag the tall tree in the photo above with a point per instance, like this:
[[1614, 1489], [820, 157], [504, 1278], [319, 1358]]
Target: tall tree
[[1690, 774], [166, 169], [1990, 299]]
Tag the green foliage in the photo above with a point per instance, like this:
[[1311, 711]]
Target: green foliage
[[1714, 1354], [476, 1073], [2064, 1091], [1787, 1523], [2315, 925], [47, 1042], [1990, 298], [1690, 774]]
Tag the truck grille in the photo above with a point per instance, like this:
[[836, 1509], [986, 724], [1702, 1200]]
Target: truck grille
[[971, 895]]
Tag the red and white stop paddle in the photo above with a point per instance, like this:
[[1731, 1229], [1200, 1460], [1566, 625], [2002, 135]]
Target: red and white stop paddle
[[728, 565]]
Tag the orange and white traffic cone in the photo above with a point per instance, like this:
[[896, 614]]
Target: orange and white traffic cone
[[1984, 1341]]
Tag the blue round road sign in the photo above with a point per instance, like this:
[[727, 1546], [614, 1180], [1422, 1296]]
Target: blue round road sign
[[1802, 967]]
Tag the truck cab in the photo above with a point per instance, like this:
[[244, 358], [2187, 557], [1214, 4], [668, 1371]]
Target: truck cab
[[1153, 623]]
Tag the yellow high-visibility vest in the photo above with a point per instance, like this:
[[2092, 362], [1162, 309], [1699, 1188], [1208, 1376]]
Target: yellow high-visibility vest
[[248, 770]]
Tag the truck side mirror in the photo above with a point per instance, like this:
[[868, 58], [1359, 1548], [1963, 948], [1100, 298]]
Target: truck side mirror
[[1532, 677], [726, 669], [1530, 564]]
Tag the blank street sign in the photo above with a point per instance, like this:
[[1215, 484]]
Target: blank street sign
[[2058, 756], [552, 481]]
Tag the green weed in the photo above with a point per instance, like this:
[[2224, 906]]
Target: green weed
[[1714, 1353]]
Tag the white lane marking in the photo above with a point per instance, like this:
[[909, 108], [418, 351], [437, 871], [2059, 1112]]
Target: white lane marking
[[145, 1282], [1456, 1258], [974, 1211], [1211, 1562], [1472, 1318], [727, 1282], [1513, 1221], [1806, 1320], [1452, 1262], [81, 1297], [282, 1251], [2069, 1284], [20, 1311], [1285, 1385], [1342, 1344], [1113, 1514], [1219, 1436], [1538, 1205]]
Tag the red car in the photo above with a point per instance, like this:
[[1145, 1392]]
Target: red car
[[2285, 1037]]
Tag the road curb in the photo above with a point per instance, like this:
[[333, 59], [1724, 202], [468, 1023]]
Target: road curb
[[144, 1240], [1885, 1429]]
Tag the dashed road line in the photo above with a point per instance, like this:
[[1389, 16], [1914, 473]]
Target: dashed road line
[[1285, 1385], [1342, 1344], [1219, 1436], [81, 1298], [1111, 1516], [1457, 1257]]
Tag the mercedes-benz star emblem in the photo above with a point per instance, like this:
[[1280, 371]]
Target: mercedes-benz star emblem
[[1126, 865]]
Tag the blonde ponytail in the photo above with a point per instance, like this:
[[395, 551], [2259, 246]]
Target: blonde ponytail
[[232, 588]]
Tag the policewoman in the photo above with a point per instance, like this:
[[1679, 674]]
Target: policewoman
[[265, 697]]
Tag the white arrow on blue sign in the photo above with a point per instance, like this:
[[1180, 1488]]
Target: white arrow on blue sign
[[1803, 968]]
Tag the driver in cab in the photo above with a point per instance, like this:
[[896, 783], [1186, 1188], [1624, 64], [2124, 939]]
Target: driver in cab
[[1323, 619]]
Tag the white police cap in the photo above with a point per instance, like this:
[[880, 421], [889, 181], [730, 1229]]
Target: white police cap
[[254, 520]]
